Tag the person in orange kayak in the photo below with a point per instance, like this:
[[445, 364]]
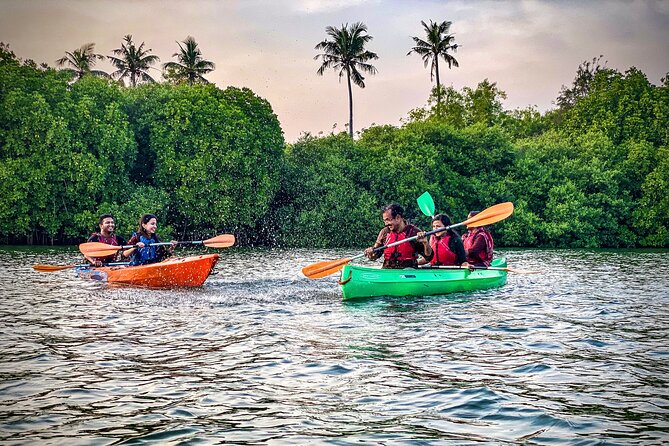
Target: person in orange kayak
[[478, 244], [144, 253], [404, 255], [446, 245], [107, 235]]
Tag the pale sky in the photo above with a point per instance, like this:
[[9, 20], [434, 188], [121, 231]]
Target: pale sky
[[530, 48]]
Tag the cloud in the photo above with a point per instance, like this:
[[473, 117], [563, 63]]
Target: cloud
[[326, 6]]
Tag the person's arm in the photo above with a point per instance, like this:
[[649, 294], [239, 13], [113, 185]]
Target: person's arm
[[121, 242], [422, 247], [422, 260], [93, 260], [427, 252], [477, 247], [369, 252], [134, 240], [458, 248]]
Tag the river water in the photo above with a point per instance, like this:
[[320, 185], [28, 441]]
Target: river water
[[261, 355]]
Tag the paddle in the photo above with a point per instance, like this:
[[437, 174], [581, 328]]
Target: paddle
[[426, 204], [493, 268], [97, 249], [491, 215], [52, 268]]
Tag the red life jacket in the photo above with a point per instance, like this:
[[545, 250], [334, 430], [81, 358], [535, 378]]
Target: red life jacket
[[404, 251], [483, 256], [442, 252]]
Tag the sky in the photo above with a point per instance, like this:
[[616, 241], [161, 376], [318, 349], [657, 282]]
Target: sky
[[529, 48]]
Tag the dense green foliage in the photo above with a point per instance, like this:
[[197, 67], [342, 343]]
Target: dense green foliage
[[204, 160], [594, 172]]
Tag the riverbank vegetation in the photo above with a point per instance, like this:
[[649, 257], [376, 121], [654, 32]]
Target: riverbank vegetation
[[593, 172]]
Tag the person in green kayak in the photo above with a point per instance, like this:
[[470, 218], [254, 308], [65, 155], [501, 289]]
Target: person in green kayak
[[404, 255], [144, 253], [446, 245], [107, 235], [478, 244]]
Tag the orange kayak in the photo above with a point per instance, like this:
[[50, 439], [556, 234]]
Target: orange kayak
[[171, 273]]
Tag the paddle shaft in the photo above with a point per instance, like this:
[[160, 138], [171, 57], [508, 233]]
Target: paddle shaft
[[410, 239], [85, 265], [490, 215], [198, 242], [492, 268], [54, 268]]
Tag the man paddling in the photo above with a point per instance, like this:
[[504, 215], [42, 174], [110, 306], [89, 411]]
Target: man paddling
[[106, 235], [404, 255]]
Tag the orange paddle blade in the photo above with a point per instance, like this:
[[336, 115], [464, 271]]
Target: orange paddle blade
[[97, 249], [220, 241], [491, 215], [51, 268], [324, 269]]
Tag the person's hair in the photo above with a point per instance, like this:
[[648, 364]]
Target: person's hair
[[144, 220], [395, 210], [445, 219], [103, 216], [472, 213]]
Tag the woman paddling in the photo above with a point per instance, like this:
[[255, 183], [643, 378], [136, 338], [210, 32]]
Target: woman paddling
[[144, 253], [478, 244], [446, 245]]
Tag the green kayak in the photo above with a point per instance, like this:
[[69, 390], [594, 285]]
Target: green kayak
[[359, 281]]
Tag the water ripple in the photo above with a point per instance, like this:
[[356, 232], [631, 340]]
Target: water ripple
[[262, 355]]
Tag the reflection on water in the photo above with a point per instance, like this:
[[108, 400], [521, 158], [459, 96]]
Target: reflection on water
[[260, 354]]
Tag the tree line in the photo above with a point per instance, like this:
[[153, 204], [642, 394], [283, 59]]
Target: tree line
[[593, 172]]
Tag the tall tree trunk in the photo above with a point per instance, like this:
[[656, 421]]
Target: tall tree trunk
[[436, 66], [350, 104]]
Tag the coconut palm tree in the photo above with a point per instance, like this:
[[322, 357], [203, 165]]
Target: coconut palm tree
[[438, 43], [81, 61], [346, 53], [190, 66], [132, 61]]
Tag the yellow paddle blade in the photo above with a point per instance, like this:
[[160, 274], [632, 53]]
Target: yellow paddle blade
[[324, 269], [220, 241], [97, 249], [51, 268], [491, 215]]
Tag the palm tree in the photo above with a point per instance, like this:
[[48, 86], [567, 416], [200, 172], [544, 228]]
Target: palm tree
[[438, 43], [191, 65], [346, 53], [133, 62], [82, 61]]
